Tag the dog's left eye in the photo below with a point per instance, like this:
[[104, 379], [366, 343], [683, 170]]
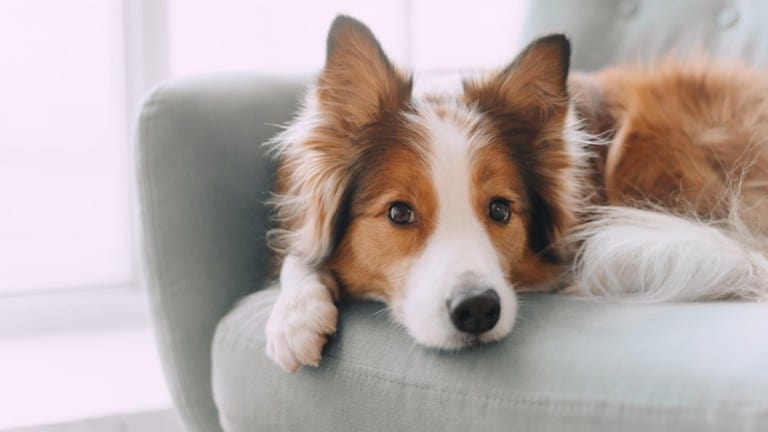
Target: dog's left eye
[[499, 211], [401, 213]]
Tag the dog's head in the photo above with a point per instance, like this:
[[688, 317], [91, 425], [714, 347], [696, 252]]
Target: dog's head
[[439, 206]]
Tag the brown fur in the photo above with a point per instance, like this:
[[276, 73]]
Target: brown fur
[[683, 135], [358, 86], [528, 104], [497, 175], [372, 255]]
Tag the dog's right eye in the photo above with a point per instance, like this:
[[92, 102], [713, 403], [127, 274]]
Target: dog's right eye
[[499, 210], [401, 213]]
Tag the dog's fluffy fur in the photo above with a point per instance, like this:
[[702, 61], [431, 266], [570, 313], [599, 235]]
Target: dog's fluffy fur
[[685, 146], [384, 195]]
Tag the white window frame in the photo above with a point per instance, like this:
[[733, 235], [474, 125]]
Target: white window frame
[[145, 65]]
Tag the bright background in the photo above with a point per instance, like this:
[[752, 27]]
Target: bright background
[[74, 73]]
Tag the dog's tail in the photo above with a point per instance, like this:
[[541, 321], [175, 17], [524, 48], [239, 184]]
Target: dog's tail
[[641, 255]]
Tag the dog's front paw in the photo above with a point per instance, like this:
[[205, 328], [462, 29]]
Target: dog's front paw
[[299, 325]]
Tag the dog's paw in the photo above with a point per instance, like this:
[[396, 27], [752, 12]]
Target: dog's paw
[[300, 322]]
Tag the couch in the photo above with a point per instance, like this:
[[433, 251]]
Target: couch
[[569, 364]]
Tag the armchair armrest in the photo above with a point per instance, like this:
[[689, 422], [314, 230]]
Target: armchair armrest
[[203, 177]]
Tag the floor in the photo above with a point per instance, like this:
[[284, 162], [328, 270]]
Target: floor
[[152, 421]]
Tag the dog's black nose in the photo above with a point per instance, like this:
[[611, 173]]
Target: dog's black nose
[[475, 311]]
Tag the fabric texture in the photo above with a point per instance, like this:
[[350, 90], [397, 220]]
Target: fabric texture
[[203, 178], [605, 32], [568, 365]]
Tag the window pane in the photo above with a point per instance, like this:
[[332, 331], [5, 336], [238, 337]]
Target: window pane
[[477, 35], [269, 36], [289, 36], [64, 168]]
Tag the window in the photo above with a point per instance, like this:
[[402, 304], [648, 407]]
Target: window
[[76, 72], [64, 170], [270, 37], [289, 36]]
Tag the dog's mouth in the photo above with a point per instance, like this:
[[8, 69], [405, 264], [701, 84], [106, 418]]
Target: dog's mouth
[[458, 342], [473, 341], [464, 341]]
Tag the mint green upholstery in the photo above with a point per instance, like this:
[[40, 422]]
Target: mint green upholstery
[[568, 366], [202, 180], [603, 32]]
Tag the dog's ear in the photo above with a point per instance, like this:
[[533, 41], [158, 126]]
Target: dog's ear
[[533, 86], [589, 100], [359, 82], [318, 151], [528, 103]]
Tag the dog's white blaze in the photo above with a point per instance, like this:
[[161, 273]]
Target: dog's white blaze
[[458, 249]]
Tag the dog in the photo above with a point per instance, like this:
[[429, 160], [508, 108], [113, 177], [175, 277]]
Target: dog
[[647, 183]]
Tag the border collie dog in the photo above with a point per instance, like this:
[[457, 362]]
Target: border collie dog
[[644, 183]]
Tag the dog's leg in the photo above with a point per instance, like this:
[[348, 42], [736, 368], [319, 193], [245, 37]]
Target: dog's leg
[[303, 315]]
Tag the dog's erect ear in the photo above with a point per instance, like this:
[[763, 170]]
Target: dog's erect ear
[[358, 81], [533, 86], [589, 100], [528, 103], [357, 86]]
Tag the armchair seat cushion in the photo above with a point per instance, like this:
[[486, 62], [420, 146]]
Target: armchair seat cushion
[[569, 364]]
